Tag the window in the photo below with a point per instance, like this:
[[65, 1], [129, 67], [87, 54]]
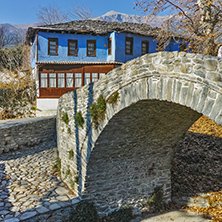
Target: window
[[78, 79], [86, 78], [145, 47], [69, 80], [52, 80], [61, 79], [160, 46], [43, 80], [91, 47], [101, 75], [110, 46], [53, 46], [94, 77], [129, 46], [72, 47], [183, 47]]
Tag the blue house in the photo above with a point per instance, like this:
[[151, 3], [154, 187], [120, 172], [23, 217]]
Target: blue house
[[69, 55]]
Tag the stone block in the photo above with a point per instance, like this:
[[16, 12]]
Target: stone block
[[211, 64]]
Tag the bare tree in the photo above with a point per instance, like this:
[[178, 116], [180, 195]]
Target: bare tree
[[199, 19], [19, 38], [5, 37], [51, 14], [80, 12]]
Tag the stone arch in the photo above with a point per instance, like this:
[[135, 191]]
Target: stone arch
[[190, 80]]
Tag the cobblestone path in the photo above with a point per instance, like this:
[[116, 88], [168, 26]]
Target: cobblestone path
[[29, 186]]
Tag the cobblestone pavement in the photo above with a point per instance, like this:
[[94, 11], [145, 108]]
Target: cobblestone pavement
[[29, 186]]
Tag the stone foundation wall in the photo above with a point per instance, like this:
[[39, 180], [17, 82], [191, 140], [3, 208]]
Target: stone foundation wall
[[19, 133]]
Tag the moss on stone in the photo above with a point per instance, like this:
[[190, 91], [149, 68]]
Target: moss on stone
[[65, 118], [79, 119], [113, 99], [76, 179], [71, 154], [69, 131], [72, 184], [57, 165]]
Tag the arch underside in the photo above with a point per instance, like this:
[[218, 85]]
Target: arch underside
[[133, 154]]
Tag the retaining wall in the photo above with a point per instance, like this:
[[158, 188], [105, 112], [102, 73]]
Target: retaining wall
[[19, 133]]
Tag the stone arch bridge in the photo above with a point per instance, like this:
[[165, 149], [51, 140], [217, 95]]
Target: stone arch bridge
[[129, 154]]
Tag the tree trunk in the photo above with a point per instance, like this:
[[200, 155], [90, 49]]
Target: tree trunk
[[209, 47]]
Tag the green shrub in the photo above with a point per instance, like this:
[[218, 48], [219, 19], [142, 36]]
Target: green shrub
[[79, 119], [113, 98], [124, 214], [156, 203], [85, 212], [65, 118], [71, 154], [98, 110], [33, 108]]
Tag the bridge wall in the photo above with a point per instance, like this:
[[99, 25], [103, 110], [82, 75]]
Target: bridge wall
[[19, 133], [187, 79]]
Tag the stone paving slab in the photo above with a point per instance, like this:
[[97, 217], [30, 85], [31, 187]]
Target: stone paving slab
[[176, 216], [29, 186]]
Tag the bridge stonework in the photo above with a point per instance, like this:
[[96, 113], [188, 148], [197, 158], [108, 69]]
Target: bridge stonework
[[130, 153]]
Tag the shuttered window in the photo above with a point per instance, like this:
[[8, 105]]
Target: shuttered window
[[145, 47], [129, 45], [91, 48], [72, 47], [52, 46]]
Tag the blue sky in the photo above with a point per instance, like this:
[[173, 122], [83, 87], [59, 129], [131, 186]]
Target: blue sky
[[24, 11]]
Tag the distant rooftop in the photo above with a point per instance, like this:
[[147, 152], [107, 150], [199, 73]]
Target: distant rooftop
[[94, 27]]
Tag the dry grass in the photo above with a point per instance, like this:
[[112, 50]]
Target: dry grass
[[204, 125]]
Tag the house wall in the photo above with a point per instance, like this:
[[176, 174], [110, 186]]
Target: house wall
[[175, 45], [120, 55], [137, 44], [118, 47], [46, 107], [101, 47]]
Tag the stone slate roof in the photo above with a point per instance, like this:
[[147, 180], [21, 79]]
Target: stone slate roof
[[94, 27], [78, 63]]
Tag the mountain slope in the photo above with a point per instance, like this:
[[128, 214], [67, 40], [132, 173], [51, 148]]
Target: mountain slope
[[113, 16]]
